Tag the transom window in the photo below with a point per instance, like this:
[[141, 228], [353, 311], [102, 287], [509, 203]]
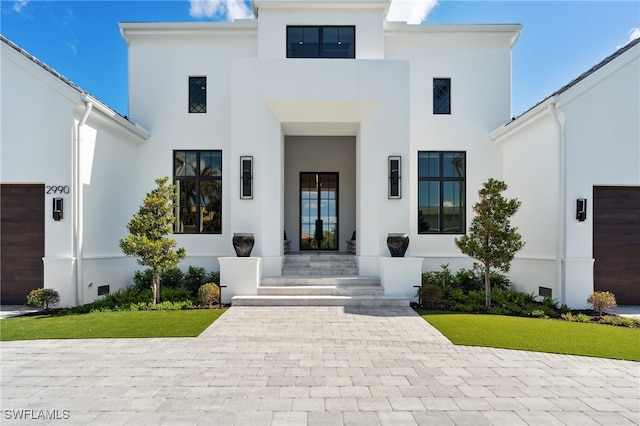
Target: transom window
[[198, 94], [442, 96], [441, 192], [198, 179], [321, 42]]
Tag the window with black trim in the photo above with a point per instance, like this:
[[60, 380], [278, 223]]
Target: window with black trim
[[197, 176], [198, 94], [442, 96], [321, 42], [441, 192]]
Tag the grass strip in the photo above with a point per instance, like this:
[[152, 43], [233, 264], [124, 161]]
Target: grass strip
[[540, 335], [136, 324]]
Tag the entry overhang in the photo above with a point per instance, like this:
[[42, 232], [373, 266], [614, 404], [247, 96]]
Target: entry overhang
[[319, 117]]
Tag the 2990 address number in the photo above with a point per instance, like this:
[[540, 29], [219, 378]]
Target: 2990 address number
[[59, 189]]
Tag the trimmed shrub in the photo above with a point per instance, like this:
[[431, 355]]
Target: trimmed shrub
[[209, 293], [602, 300], [43, 298]]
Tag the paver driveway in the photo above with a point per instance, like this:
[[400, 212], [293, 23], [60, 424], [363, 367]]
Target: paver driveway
[[296, 366]]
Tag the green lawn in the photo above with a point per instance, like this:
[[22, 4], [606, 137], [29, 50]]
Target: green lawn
[[541, 335], [185, 323]]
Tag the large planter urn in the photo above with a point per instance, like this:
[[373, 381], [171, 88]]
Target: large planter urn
[[243, 243], [397, 243]]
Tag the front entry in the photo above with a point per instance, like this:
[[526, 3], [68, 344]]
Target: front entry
[[318, 211]]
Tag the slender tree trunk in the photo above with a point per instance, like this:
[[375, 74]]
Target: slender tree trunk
[[155, 287], [487, 288]]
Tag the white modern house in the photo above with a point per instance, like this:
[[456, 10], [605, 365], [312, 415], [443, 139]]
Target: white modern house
[[319, 120]]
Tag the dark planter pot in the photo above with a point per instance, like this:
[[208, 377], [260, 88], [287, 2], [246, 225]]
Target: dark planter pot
[[398, 244], [243, 244]]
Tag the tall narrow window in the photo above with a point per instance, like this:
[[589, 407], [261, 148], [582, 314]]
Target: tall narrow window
[[198, 94], [441, 192], [198, 179], [442, 96], [321, 42]]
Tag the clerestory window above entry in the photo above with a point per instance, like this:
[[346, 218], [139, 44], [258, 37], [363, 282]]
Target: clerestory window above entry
[[321, 42]]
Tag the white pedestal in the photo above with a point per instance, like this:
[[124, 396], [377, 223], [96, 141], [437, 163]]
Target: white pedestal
[[240, 275], [399, 275]]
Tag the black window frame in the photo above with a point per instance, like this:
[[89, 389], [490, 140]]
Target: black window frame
[[198, 97], [441, 107], [441, 179], [196, 227], [320, 52]]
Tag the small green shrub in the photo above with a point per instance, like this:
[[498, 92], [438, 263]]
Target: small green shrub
[[430, 294], [538, 313], [602, 300], [194, 278], [174, 294], [442, 278], [209, 293], [583, 317], [43, 298]]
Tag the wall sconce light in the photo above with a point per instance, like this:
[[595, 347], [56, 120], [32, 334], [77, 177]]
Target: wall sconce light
[[246, 178], [57, 209], [395, 176], [581, 209]]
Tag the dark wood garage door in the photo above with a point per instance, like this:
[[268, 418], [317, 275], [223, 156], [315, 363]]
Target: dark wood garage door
[[21, 241], [616, 242]]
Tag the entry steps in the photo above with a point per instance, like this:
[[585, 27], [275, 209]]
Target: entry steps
[[320, 280]]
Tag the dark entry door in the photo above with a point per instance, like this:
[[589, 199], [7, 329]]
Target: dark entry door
[[318, 211]]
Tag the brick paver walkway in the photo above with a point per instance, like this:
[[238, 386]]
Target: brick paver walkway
[[316, 366]]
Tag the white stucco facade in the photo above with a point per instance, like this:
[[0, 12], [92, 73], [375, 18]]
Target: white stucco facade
[[587, 135], [296, 115]]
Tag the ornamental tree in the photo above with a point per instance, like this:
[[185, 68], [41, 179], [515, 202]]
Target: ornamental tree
[[148, 230], [491, 238]]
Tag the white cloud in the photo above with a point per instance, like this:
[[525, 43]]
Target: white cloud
[[634, 33], [19, 5], [410, 11], [226, 9]]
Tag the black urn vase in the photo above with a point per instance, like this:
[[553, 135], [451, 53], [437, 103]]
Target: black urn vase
[[243, 243], [397, 244]]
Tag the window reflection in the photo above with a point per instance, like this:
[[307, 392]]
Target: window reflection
[[441, 195], [198, 180]]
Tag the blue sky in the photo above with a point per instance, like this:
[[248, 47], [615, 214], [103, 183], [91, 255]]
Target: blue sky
[[559, 40]]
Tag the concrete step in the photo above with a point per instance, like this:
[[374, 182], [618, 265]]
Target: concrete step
[[329, 270], [327, 290], [319, 264], [300, 280], [359, 301]]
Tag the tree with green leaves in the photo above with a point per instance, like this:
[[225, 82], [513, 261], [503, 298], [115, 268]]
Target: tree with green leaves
[[491, 238], [148, 230]]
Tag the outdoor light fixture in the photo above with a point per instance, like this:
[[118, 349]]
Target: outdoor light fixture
[[246, 178], [581, 209], [57, 209], [395, 177]]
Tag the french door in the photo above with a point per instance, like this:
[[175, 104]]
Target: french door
[[318, 211]]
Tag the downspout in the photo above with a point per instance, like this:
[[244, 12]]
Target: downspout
[[562, 190], [78, 221]]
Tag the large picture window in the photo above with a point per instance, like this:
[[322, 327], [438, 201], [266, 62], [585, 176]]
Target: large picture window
[[321, 42], [198, 179], [441, 192]]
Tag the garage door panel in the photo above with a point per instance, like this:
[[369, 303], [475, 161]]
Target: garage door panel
[[22, 241], [616, 242]]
